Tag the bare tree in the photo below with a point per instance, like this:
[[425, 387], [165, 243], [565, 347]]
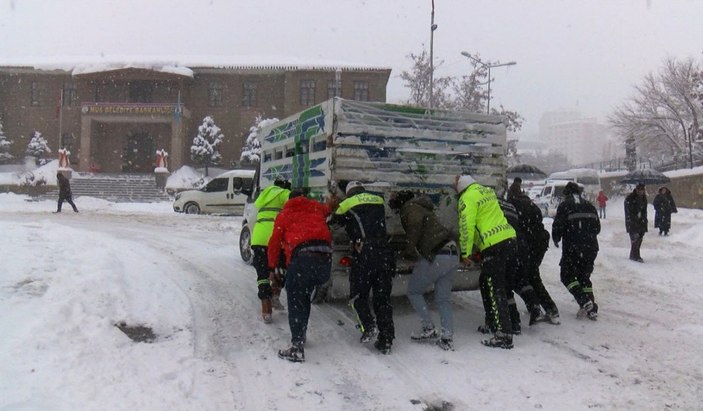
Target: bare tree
[[664, 115], [469, 93], [418, 81]]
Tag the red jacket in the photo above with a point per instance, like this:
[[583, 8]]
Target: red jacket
[[602, 199], [300, 220]]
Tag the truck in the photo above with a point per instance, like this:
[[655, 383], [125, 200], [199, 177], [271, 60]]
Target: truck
[[388, 148]]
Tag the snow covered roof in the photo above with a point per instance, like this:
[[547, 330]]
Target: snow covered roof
[[182, 65]]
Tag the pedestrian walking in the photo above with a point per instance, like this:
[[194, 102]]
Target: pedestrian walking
[[268, 204], [363, 216], [578, 225], [300, 231], [664, 206], [483, 225], [636, 220], [602, 200], [64, 192], [434, 250]]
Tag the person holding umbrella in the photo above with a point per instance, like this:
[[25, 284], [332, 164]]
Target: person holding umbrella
[[636, 220]]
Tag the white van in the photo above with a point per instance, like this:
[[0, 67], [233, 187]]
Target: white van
[[552, 194], [224, 194], [586, 177]]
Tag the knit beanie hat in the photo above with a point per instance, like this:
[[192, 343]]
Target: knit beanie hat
[[464, 181]]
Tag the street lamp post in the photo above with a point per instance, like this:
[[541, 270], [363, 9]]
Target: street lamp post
[[433, 27], [488, 67]]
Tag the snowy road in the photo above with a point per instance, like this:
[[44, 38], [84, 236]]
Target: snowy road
[[67, 279]]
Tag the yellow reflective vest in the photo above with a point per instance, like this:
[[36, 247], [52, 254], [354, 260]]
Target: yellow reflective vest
[[481, 221], [269, 203]]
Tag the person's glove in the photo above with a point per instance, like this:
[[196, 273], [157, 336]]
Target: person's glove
[[556, 243]]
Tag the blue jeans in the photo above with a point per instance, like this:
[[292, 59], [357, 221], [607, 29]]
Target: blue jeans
[[440, 274], [305, 272]]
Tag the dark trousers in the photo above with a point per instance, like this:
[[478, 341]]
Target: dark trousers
[[305, 272], [635, 244], [69, 200], [260, 263], [372, 271], [517, 283], [493, 285], [530, 268], [576, 268]]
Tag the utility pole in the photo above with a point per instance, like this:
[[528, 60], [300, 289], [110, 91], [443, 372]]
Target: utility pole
[[433, 27]]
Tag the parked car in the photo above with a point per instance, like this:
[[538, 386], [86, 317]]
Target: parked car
[[552, 193], [225, 194], [534, 191]]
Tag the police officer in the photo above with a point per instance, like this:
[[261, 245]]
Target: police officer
[[482, 224], [268, 204], [577, 223], [363, 216]]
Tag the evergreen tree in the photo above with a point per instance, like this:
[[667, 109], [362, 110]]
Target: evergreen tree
[[37, 146], [5, 156], [204, 150], [251, 152]]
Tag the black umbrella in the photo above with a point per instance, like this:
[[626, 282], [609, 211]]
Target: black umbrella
[[645, 176], [526, 171]]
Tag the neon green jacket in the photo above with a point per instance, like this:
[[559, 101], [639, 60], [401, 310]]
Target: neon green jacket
[[269, 204], [481, 221]]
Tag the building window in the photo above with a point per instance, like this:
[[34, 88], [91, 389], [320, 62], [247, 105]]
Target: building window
[[249, 94], [307, 92], [361, 90], [37, 94], [334, 89], [69, 97], [140, 91], [214, 94]]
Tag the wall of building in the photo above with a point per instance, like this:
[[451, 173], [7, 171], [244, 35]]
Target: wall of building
[[277, 92]]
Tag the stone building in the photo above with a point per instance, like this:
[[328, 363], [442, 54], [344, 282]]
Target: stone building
[[113, 118]]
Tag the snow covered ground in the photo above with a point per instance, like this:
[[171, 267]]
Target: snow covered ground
[[67, 279]]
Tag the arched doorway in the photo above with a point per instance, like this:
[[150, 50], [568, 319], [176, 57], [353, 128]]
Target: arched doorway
[[138, 152]]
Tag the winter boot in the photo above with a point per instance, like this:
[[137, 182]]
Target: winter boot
[[586, 308], [383, 346], [536, 315], [499, 340], [446, 344], [266, 310], [275, 299], [552, 317], [484, 329], [427, 333], [368, 334], [296, 353], [592, 314]]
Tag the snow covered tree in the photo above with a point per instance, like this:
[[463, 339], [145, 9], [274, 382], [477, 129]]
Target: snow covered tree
[[251, 152], [5, 143], [663, 116], [204, 149], [37, 146]]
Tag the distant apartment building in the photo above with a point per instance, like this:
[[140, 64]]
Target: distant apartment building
[[582, 140], [113, 118]]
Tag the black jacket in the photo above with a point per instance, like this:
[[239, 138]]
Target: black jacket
[[577, 224], [64, 187], [636, 213], [531, 234]]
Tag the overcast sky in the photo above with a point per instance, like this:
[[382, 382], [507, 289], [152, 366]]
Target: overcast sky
[[577, 53]]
